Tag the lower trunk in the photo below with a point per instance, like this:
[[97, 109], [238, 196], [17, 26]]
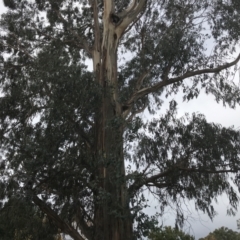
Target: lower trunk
[[112, 220], [112, 214]]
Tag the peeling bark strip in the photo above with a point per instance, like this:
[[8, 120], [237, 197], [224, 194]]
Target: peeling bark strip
[[109, 146]]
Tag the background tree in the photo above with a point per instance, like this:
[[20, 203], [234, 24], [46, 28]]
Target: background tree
[[68, 133], [169, 233], [222, 234]]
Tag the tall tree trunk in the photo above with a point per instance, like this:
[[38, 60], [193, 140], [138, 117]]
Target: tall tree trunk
[[112, 214]]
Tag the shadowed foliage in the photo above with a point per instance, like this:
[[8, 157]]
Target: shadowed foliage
[[75, 76]]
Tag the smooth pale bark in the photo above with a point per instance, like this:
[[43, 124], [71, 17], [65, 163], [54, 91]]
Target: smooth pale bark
[[109, 145]]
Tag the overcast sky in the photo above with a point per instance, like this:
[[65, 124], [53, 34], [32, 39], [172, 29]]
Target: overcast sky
[[199, 224], [227, 117], [214, 112]]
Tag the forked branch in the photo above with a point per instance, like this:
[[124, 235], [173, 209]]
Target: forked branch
[[130, 15]]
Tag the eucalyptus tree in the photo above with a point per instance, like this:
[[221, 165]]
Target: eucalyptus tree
[[73, 140]]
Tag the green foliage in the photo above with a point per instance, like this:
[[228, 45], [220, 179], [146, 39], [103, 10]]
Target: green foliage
[[174, 141], [169, 233], [222, 233], [58, 118], [21, 220]]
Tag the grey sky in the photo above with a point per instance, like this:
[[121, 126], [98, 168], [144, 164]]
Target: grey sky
[[214, 113], [227, 117], [198, 223]]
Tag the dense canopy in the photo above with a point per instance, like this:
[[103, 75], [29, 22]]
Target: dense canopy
[[75, 76]]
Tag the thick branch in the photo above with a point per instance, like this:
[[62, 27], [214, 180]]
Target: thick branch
[[141, 181], [131, 6], [108, 8], [141, 78], [154, 180], [129, 15], [145, 91], [60, 223], [134, 113]]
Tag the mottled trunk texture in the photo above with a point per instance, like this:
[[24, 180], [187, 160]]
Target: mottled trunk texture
[[112, 215]]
